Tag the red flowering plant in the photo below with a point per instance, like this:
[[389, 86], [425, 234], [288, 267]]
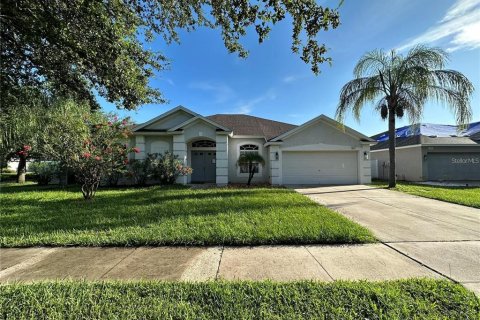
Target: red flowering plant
[[104, 154]]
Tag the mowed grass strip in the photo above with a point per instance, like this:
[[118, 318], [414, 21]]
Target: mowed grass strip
[[32, 215], [467, 196], [405, 299]]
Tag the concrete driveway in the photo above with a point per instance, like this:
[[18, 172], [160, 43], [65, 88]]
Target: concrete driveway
[[442, 236]]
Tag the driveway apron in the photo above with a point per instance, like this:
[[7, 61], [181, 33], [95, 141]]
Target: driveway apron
[[441, 236]]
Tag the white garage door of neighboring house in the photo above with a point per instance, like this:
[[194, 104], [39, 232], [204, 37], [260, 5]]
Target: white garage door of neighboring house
[[319, 167]]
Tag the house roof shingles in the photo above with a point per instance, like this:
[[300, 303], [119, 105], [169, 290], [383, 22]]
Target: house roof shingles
[[431, 134], [242, 124]]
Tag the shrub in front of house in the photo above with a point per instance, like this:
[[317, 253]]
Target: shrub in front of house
[[166, 168], [140, 170], [44, 171], [161, 168]]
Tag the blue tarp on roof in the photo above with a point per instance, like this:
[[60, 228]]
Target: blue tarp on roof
[[433, 130]]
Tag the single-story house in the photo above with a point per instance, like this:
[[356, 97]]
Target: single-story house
[[319, 151], [430, 152]]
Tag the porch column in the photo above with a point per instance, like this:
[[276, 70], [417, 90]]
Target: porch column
[[222, 159], [180, 149], [275, 165], [140, 144]]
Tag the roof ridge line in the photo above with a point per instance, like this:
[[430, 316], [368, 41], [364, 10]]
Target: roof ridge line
[[251, 116]]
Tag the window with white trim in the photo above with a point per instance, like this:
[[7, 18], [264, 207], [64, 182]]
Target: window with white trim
[[245, 148]]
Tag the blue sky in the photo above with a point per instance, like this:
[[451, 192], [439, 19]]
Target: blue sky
[[274, 83]]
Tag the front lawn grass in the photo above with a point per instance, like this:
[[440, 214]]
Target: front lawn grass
[[467, 196], [32, 215], [405, 299]]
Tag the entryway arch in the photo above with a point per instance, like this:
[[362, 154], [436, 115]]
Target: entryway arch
[[203, 152]]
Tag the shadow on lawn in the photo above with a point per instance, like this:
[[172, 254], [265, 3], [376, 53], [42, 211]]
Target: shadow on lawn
[[135, 208], [7, 188]]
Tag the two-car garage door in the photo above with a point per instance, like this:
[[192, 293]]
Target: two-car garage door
[[319, 167], [453, 166]]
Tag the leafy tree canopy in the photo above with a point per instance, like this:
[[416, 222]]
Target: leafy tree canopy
[[46, 124], [80, 46]]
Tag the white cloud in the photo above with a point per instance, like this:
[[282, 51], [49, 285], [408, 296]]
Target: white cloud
[[247, 107], [459, 8], [468, 38], [289, 79], [458, 29], [169, 81], [221, 92], [244, 109], [293, 78]]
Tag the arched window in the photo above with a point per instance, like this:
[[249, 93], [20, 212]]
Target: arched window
[[246, 148], [204, 144]]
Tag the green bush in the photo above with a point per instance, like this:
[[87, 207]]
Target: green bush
[[44, 171], [8, 177], [164, 168], [140, 170], [167, 168]]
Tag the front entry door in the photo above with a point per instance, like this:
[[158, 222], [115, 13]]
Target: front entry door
[[204, 166]]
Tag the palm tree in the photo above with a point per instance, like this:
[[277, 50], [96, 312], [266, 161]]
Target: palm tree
[[399, 85], [251, 160]]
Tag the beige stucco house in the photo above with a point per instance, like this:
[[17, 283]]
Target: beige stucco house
[[319, 151]]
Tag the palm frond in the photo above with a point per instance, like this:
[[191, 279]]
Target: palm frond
[[356, 93], [412, 102], [370, 63], [421, 55], [455, 101], [454, 80], [250, 157]]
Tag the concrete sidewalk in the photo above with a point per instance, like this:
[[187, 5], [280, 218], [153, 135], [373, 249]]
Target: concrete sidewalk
[[443, 236], [283, 263]]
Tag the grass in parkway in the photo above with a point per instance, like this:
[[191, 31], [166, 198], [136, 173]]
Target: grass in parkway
[[467, 196], [404, 299], [33, 215]]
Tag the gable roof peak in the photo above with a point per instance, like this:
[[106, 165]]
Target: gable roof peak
[[330, 122]]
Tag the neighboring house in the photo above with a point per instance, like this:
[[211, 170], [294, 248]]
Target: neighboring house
[[317, 152], [431, 152]]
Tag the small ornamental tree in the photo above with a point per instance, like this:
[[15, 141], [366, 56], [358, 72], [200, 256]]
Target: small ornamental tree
[[251, 160], [104, 153]]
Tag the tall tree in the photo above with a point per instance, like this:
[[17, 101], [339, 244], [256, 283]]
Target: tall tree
[[20, 128], [42, 127], [402, 84], [83, 47]]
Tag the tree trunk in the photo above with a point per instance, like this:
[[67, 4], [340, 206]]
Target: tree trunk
[[392, 179], [251, 172], [22, 169]]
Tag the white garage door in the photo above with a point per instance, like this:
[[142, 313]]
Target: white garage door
[[319, 167]]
